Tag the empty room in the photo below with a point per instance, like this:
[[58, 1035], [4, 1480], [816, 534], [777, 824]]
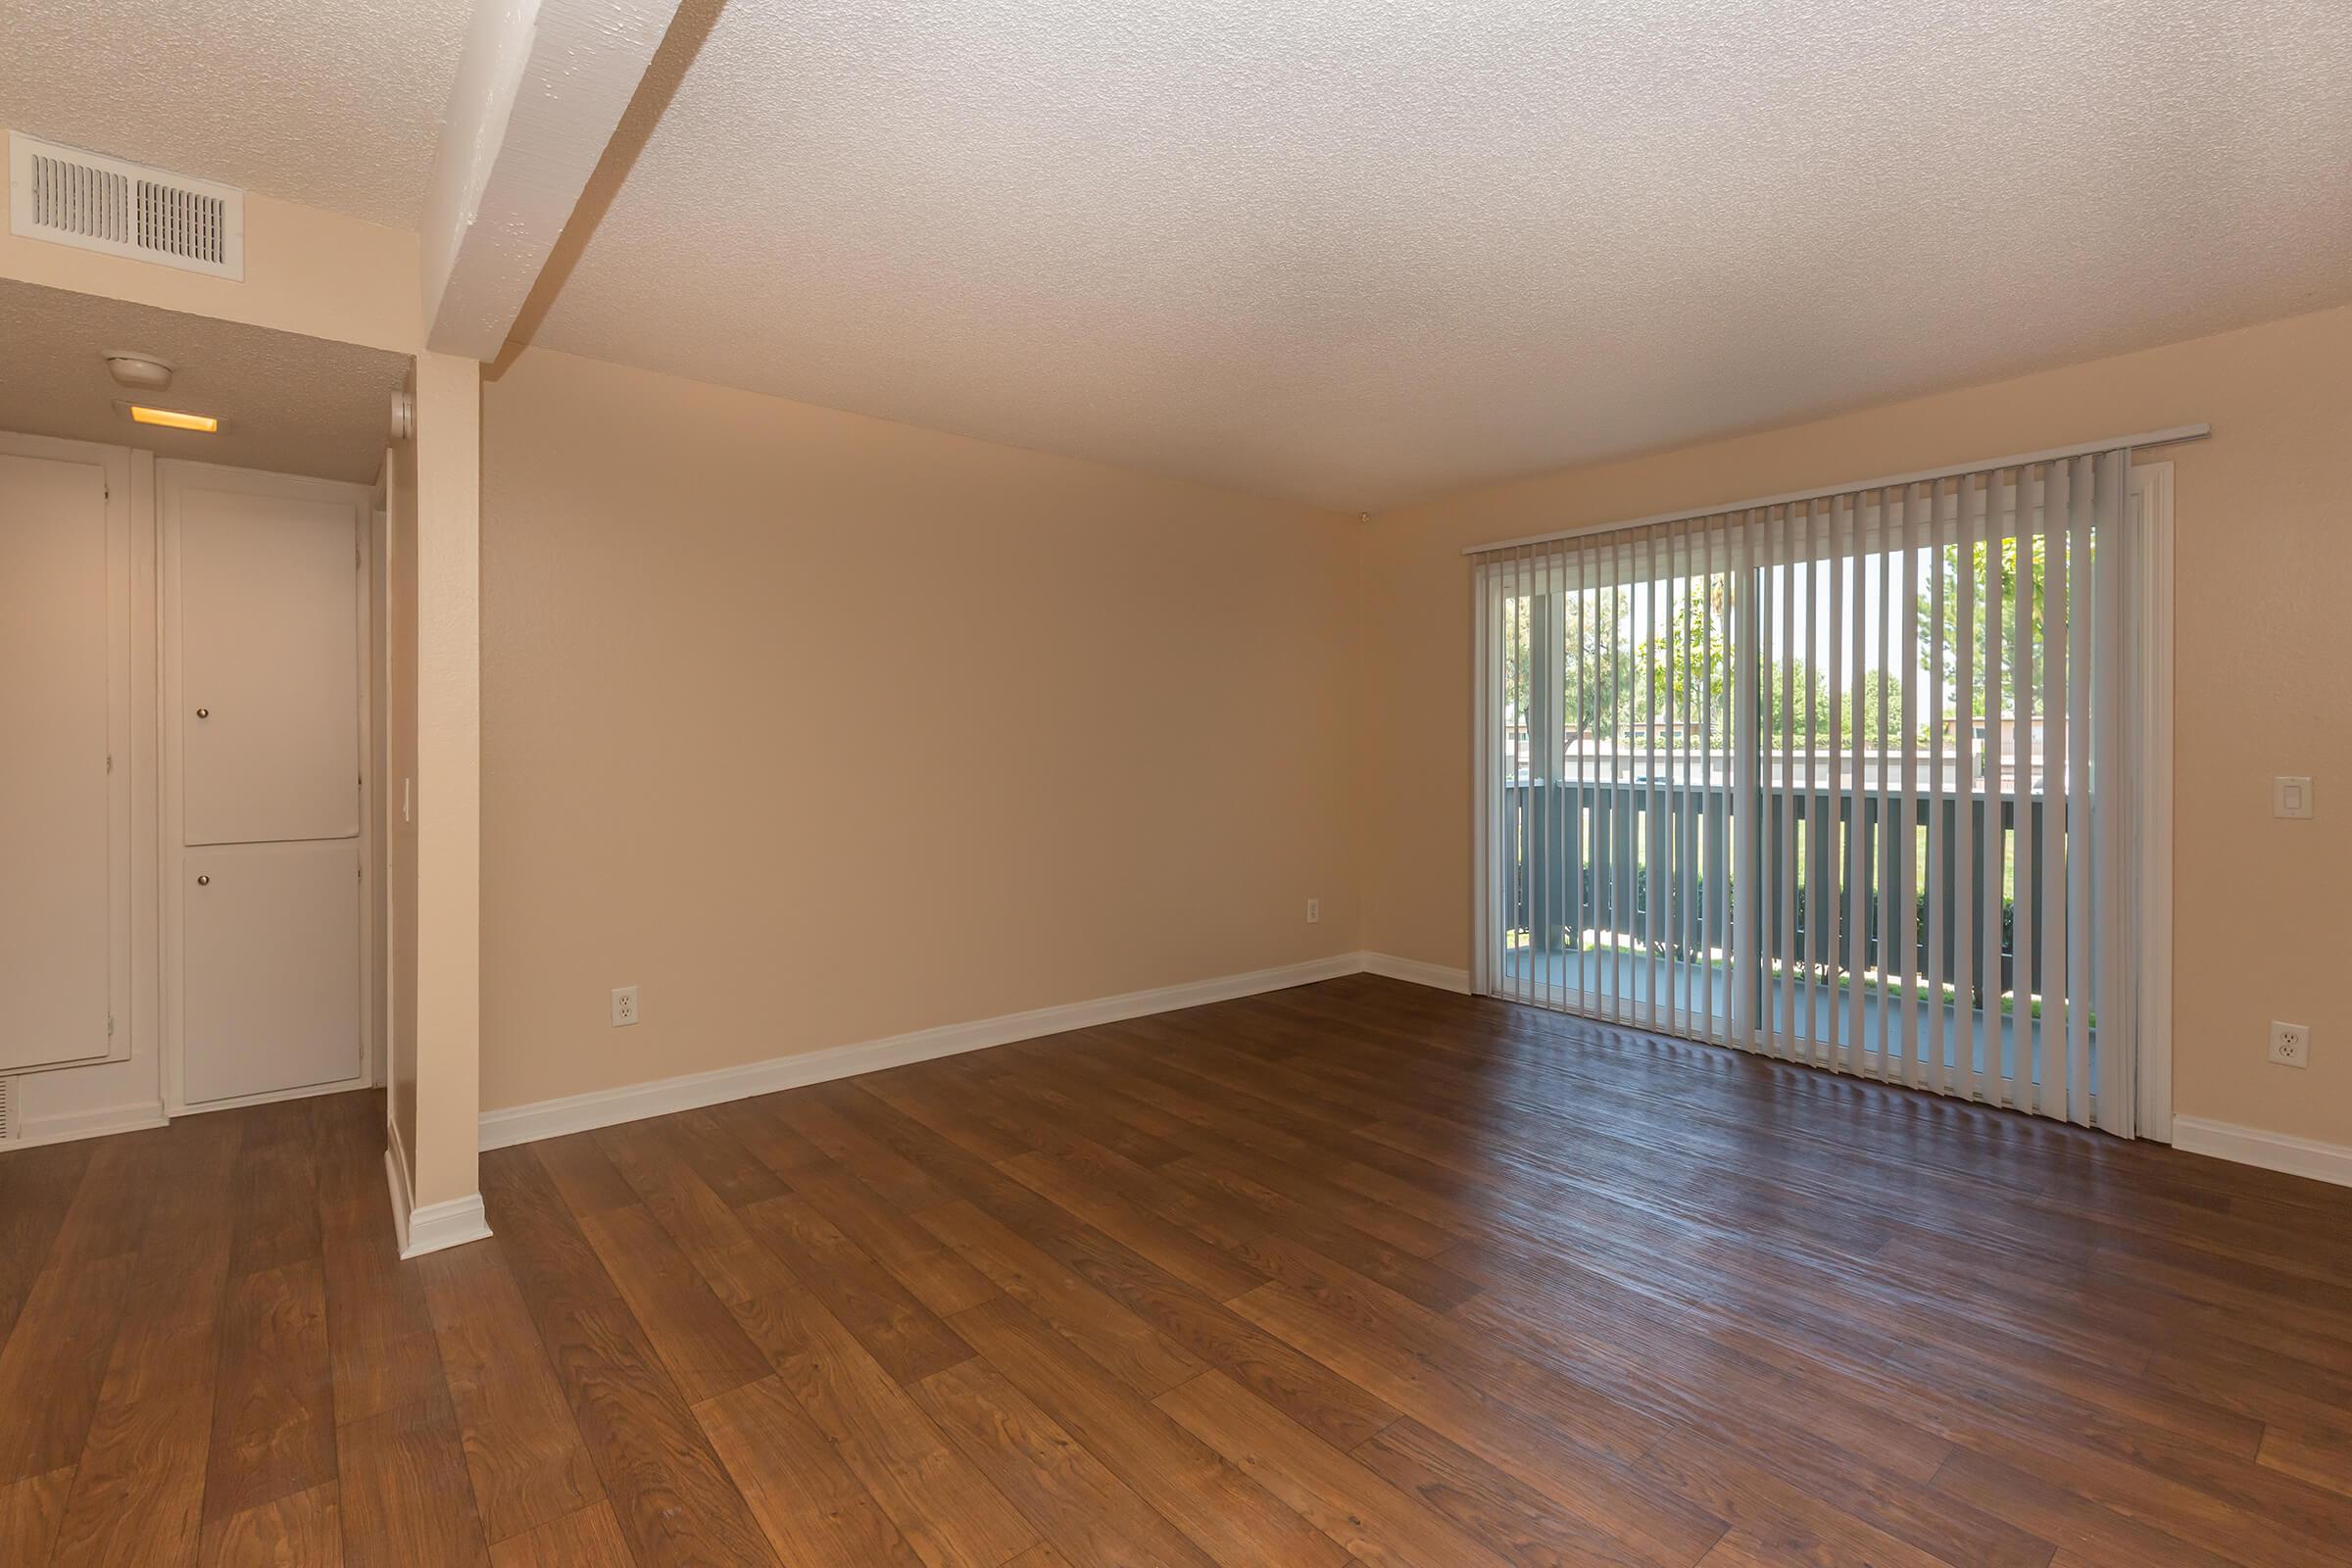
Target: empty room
[[964, 784]]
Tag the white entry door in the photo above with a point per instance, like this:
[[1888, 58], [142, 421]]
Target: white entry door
[[264, 595]]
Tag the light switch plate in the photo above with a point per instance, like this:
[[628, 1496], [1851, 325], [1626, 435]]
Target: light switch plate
[[2290, 795]]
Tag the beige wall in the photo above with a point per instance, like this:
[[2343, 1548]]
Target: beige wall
[[2263, 669], [820, 728], [449, 778], [400, 771], [305, 270]]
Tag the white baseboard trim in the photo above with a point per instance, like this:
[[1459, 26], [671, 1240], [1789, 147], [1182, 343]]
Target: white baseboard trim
[[605, 1107], [396, 1181], [435, 1226], [1413, 971], [66, 1126], [449, 1224], [2251, 1145]]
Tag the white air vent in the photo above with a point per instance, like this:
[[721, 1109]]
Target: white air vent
[[104, 204], [8, 1111]]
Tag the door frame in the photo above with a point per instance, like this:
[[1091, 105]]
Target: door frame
[[170, 474]]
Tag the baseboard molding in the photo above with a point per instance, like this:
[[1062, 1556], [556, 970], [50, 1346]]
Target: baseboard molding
[[396, 1181], [1414, 972], [605, 1107], [435, 1226], [2251, 1145], [66, 1126], [448, 1224]]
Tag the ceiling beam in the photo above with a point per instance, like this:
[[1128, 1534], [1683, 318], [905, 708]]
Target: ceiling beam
[[541, 84]]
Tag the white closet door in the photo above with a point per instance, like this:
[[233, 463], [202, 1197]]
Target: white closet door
[[268, 687], [271, 944], [63, 925]]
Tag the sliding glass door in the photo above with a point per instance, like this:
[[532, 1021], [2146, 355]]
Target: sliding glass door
[[1823, 779]]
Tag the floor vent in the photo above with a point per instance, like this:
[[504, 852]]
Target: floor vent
[[104, 204], [8, 1111]]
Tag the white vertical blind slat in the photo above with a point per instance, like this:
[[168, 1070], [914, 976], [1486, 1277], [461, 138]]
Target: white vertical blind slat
[[2049, 855], [1530, 811], [2082, 578], [1853, 800], [1663, 874], [1507, 840], [1968, 1059], [1894, 793], [1744, 927], [1908, 533], [1992, 835], [1534, 842], [1938, 1018], [2114, 650], [1690, 886], [1812, 924], [1517, 850], [2024, 683], [1620, 554], [1507, 837], [1646, 896], [1579, 728], [1560, 928], [1680, 964], [1788, 871], [1715, 608]]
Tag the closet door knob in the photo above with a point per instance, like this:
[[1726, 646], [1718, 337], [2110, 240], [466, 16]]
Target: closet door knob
[[204, 712], [204, 881]]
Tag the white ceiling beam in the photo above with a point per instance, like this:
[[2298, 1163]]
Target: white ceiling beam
[[541, 86]]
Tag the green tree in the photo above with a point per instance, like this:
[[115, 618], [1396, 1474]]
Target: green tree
[[1983, 579], [1882, 696], [1785, 689]]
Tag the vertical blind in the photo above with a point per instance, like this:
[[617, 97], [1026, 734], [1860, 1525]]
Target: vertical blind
[[1827, 779]]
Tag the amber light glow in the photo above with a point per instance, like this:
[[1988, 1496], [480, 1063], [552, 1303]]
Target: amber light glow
[[175, 420]]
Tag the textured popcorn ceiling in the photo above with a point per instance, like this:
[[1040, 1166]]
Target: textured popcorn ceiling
[[329, 103], [286, 403], [1361, 251]]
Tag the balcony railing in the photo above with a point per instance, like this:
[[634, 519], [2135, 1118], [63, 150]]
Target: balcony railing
[[1592, 857]]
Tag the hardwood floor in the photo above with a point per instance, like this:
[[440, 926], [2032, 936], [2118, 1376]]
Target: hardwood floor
[[1357, 1269]]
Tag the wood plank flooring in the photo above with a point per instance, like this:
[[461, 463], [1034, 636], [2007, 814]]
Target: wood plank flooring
[[1356, 1270]]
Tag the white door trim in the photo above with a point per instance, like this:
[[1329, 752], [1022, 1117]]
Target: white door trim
[[170, 475]]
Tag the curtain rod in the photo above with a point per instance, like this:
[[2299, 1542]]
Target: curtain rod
[[2146, 438]]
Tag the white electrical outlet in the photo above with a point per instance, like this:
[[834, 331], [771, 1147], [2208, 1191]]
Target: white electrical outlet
[[2291, 1043], [1314, 910], [624, 1006]]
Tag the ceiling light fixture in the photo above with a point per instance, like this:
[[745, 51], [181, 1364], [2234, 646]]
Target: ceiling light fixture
[[173, 420], [142, 373]]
